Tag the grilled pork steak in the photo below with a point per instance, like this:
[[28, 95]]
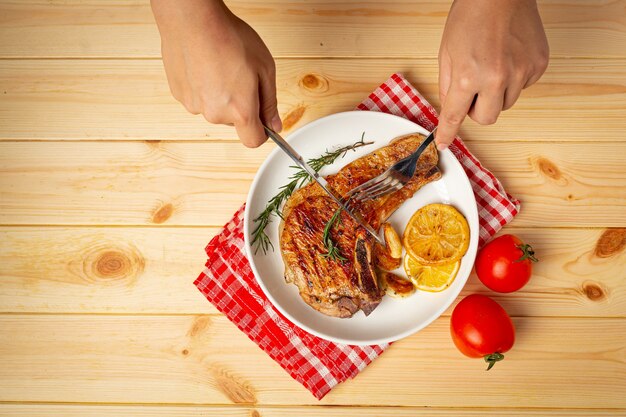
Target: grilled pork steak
[[340, 288]]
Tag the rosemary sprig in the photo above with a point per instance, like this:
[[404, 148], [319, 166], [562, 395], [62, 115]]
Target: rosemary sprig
[[333, 251], [260, 240]]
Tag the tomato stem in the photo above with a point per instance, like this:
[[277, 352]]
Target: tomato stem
[[493, 358], [527, 253]]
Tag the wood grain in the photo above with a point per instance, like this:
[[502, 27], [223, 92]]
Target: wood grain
[[109, 192], [151, 270], [120, 99], [556, 362], [179, 183], [101, 270], [45, 410], [400, 28]]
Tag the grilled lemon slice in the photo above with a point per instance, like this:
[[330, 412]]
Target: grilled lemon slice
[[437, 234], [430, 278]]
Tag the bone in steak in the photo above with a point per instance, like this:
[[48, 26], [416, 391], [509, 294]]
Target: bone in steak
[[341, 288]]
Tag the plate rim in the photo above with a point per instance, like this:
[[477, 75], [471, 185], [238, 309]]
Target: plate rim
[[249, 252]]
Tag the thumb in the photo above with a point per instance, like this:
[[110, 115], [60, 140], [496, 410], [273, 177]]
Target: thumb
[[248, 123], [454, 109], [269, 104]]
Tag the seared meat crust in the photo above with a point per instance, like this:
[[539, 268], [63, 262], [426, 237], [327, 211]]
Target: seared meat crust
[[341, 288]]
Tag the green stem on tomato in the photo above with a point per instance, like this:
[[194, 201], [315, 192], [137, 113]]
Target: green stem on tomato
[[493, 358], [527, 253]]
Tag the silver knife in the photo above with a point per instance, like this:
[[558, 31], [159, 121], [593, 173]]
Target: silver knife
[[299, 160]]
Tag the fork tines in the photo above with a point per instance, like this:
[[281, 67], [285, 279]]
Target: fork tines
[[374, 188]]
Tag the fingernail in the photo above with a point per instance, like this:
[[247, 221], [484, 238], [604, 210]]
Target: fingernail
[[442, 146], [277, 124]]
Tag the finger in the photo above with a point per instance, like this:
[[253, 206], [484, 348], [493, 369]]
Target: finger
[[511, 95], [445, 70], [487, 107], [454, 110], [248, 124], [269, 104], [533, 79], [251, 132], [539, 70]]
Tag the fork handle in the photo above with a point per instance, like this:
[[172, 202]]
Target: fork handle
[[410, 162]]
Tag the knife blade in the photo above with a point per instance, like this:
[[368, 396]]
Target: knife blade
[[299, 160]]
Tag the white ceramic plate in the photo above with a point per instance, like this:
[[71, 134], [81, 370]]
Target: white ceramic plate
[[394, 318]]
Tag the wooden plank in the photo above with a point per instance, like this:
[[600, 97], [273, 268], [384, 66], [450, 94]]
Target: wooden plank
[[75, 410], [121, 99], [557, 362], [105, 28], [180, 183], [103, 270], [150, 271]]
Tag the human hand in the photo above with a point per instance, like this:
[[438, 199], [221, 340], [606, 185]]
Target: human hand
[[490, 51], [218, 66]]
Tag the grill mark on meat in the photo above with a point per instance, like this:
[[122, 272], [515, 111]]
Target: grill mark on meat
[[308, 226], [319, 273]]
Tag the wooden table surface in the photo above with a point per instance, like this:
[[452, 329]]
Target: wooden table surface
[[109, 192]]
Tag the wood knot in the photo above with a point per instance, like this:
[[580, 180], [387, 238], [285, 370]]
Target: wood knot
[[255, 413], [611, 242], [549, 169], [314, 82], [293, 117], [113, 264], [162, 213], [185, 352], [593, 291], [199, 325], [235, 388], [154, 145]]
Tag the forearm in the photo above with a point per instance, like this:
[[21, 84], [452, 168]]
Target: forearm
[[180, 14]]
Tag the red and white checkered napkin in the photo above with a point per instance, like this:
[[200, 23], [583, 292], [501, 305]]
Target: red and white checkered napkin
[[319, 365]]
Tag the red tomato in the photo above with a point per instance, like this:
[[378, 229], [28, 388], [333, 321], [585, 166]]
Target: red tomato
[[505, 264], [481, 328]]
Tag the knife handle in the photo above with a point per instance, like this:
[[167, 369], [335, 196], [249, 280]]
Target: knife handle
[[282, 144]]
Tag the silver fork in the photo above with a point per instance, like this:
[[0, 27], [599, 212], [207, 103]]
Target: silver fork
[[393, 179]]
